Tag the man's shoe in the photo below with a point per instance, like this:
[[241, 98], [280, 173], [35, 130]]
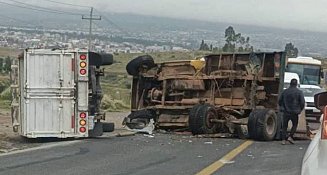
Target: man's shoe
[[283, 142], [290, 139]]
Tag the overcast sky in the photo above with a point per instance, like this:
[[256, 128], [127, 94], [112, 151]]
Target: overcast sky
[[298, 14]]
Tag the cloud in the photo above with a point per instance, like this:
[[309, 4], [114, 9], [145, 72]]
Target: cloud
[[300, 14]]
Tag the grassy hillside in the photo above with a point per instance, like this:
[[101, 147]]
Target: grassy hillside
[[6, 51]]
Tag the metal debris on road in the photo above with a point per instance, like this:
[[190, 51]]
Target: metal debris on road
[[227, 162], [148, 129], [148, 135]]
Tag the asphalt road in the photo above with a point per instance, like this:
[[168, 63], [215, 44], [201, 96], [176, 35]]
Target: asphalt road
[[162, 154]]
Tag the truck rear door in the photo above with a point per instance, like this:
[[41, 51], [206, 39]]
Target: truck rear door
[[49, 105]]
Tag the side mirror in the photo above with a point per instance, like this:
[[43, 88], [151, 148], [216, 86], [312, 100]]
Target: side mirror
[[320, 100], [322, 74]]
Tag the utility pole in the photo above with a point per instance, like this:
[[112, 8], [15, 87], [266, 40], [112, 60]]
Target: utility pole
[[91, 18]]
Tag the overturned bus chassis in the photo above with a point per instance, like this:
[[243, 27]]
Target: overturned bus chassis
[[233, 93]]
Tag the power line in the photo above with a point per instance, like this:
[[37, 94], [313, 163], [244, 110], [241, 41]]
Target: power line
[[112, 23], [15, 19], [64, 3], [35, 9], [43, 8], [91, 18]]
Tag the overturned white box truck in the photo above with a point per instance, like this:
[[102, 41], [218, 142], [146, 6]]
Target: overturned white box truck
[[57, 93]]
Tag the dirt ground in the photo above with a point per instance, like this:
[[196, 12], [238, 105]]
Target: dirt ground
[[10, 141]]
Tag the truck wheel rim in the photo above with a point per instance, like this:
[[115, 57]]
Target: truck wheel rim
[[270, 125], [210, 115]]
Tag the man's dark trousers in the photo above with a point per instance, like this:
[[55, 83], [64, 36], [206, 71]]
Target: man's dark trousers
[[286, 118]]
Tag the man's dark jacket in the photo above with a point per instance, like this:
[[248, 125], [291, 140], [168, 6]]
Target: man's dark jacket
[[291, 101]]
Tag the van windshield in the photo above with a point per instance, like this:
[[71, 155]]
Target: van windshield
[[309, 74]]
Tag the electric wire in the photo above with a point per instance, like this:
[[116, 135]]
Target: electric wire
[[43, 8], [36, 9], [64, 3]]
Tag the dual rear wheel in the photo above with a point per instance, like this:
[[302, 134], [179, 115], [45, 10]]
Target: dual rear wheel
[[262, 124]]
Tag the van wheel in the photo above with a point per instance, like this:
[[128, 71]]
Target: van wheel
[[199, 119], [134, 66], [263, 125]]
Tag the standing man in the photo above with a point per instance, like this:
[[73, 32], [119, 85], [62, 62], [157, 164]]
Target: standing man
[[291, 103]]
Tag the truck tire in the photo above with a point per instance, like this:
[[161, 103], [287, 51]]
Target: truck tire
[[192, 122], [108, 127], [199, 119], [134, 65], [252, 123], [265, 126], [97, 130]]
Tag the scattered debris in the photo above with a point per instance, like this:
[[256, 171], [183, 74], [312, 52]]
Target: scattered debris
[[208, 143], [148, 129], [126, 133], [227, 162], [219, 135], [200, 156], [148, 135], [3, 151]]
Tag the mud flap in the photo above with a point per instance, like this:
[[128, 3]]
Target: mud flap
[[97, 130], [279, 126], [302, 128]]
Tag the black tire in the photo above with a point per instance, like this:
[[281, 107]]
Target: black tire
[[192, 115], [97, 130], [265, 127], [134, 65], [252, 123], [199, 119], [108, 127]]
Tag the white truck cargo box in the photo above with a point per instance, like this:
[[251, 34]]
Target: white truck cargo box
[[52, 94]]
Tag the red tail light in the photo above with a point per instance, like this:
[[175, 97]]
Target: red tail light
[[324, 125], [82, 71], [82, 129], [82, 57], [82, 115]]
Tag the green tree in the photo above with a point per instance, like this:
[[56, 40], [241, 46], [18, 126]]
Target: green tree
[[201, 45], [235, 41], [7, 65], [291, 50], [204, 46]]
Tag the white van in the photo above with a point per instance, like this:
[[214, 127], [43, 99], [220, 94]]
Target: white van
[[288, 77]]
